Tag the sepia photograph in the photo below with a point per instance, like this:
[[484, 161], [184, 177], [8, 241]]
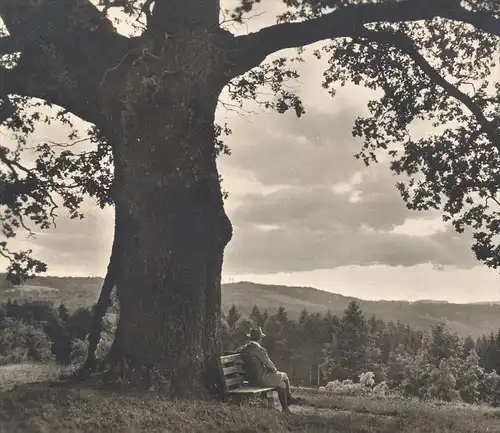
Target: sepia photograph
[[246, 216]]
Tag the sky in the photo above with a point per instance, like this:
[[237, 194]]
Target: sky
[[304, 210]]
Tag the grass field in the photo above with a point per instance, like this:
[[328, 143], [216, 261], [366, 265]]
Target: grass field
[[28, 407]]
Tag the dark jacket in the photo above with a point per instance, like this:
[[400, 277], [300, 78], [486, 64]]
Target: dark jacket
[[257, 361]]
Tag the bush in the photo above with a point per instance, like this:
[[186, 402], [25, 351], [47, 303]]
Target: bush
[[490, 389], [20, 342], [442, 383], [367, 379], [365, 386]]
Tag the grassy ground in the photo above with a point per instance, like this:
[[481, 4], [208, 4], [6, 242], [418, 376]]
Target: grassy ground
[[45, 407]]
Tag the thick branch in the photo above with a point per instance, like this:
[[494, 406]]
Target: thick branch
[[481, 20], [406, 45], [253, 48], [65, 49], [340, 23]]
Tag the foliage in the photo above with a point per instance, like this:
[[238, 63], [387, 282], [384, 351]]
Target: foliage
[[20, 342], [435, 369], [469, 382], [361, 388], [61, 334], [232, 315], [442, 383], [490, 388]]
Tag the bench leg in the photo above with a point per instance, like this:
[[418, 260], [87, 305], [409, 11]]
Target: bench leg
[[269, 399]]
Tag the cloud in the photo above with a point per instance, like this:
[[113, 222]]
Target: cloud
[[73, 247], [256, 250], [314, 206], [316, 149]]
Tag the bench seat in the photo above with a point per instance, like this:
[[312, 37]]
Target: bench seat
[[235, 380], [250, 390]]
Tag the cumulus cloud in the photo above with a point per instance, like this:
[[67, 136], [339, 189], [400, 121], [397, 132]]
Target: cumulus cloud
[[257, 250], [316, 149], [327, 209]]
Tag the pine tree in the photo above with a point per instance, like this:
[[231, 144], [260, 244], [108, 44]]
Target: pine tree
[[239, 331], [233, 315], [469, 346], [282, 316], [346, 355], [442, 344], [63, 313], [265, 316], [304, 315], [256, 316]]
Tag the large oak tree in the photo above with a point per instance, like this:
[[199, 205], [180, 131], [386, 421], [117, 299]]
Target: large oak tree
[[152, 100]]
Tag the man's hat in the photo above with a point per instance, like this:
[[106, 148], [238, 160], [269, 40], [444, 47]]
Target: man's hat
[[256, 333]]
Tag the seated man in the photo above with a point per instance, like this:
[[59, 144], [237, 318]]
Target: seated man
[[262, 371]]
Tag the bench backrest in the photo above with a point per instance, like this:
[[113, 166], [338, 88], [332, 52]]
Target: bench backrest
[[232, 371]]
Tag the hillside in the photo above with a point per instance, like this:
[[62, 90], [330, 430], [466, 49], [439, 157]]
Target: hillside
[[33, 400], [466, 319]]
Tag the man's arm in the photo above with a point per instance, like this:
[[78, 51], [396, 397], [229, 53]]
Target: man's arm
[[264, 357]]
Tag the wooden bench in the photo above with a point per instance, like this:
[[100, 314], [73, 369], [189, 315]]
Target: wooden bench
[[235, 382]]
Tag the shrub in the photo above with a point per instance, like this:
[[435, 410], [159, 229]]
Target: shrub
[[490, 389], [442, 383], [365, 386], [20, 342], [367, 379]]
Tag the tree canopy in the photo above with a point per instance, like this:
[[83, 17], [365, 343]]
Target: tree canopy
[[430, 60]]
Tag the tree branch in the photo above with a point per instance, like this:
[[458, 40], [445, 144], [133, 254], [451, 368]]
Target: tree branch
[[481, 20], [252, 49], [406, 45], [341, 23]]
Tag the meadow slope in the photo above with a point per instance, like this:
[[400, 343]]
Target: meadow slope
[[30, 407]]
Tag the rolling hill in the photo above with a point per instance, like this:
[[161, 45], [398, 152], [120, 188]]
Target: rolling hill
[[466, 319]]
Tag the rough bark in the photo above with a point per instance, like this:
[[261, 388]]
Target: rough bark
[[169, 281], [170, 204]]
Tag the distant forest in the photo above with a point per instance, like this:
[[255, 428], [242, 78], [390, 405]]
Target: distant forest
[[314, 349], [465, 319]]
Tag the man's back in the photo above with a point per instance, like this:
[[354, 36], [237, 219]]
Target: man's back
[[256, 360]]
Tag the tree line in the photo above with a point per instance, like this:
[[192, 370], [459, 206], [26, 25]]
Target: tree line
[[314, 349], [317, 349]]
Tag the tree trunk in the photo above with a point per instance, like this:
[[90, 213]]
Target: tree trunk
[[174, 232], [104, 301]]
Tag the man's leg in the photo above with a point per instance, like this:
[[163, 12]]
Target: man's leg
[[283, 396], [290, 399]]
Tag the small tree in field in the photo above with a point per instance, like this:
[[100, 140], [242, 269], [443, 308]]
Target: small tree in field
[[150, 99]]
